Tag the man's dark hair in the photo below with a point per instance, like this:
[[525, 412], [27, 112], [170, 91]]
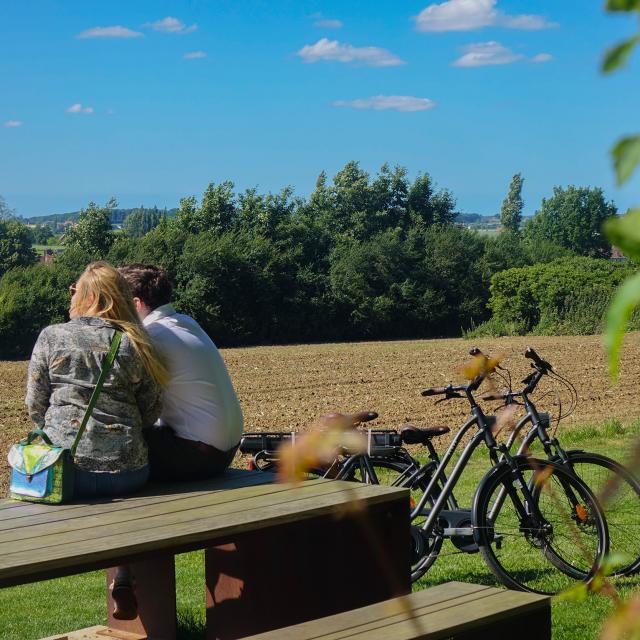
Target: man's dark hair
[[149, 283]]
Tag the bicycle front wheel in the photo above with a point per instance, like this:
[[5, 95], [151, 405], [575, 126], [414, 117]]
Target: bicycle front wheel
[[546, 544], [618, 492]]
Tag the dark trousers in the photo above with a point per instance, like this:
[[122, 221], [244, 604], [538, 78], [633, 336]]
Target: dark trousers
[[173, 458]]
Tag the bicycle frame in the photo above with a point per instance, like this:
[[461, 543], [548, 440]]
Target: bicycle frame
[[498, 454]]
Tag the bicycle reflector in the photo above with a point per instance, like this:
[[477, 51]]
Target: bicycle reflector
[[581, 512]]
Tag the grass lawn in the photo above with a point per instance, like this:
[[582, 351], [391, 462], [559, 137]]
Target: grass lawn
[[33, 611]]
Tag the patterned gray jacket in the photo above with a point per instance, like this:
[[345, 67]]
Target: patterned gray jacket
[[63, 371]]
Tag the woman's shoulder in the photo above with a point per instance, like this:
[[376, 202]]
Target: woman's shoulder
[[81, 333]]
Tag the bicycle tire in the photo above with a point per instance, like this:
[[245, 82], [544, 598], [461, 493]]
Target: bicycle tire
[[618, 492], [522, 554], [390, 472]]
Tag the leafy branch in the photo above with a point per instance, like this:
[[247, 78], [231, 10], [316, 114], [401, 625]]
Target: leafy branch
[[624, 231]]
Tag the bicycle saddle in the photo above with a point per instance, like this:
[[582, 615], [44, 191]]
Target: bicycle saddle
[[417, 435], [346, 420]]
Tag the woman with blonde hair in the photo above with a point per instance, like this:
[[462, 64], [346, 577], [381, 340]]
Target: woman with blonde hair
[[111, 458]]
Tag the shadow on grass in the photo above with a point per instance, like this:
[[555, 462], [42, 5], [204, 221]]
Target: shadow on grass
[[190, 627]]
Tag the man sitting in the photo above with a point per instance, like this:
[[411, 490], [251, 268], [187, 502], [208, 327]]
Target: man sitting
[[201, 422]]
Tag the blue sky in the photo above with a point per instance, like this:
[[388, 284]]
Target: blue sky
[[151, 100]]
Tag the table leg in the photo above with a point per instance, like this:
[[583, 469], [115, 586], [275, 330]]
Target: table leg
[[301, 571], [155, 585]]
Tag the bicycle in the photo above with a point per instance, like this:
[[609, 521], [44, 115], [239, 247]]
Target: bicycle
[[606, 477], [514, 512]]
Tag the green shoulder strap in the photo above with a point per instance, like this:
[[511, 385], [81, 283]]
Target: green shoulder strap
[[106, 367]]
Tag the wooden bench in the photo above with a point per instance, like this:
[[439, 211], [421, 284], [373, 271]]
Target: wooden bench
[[453, 610], [275, 555]]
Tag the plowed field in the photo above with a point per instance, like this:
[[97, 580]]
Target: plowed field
[[284, 388]]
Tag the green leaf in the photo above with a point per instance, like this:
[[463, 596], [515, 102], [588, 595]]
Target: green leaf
[[624, 232], [618, 55], [578, 593], [622, 5], [625, 300], [613, 562], [626, 155]]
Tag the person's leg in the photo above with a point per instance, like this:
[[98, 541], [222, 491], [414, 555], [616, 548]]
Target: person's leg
[[167, 458], [174, 459], [202, 461], [104, 484]]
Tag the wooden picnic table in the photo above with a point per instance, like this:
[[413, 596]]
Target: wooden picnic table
[[275, 555]]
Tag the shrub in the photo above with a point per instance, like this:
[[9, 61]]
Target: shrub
[[566, 296]]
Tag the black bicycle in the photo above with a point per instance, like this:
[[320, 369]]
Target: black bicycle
[[615, 486], [538, 527]]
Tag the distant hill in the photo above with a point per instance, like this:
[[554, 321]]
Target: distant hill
[[117, 216], [475, 218]]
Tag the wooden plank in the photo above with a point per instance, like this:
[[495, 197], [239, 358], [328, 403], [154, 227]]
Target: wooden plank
[[214, 504], [87, 554], [439, 612], [264, 506], [99, 632], [12, 513], [100, 516], [300, 571]]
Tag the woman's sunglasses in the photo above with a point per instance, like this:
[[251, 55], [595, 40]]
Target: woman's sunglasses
[[72, 289]]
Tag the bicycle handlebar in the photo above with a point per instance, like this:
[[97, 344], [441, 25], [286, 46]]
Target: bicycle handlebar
[[496, 396], [530, 353], [437, 391]]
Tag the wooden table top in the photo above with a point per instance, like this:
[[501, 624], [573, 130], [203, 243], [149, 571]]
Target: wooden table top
[[43, 541]]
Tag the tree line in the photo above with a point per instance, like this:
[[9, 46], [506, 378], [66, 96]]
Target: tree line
[[363, 257]]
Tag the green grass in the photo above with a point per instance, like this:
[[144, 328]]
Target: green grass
[[32, 611]]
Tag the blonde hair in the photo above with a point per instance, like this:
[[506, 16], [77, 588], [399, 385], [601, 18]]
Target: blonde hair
[[103, 293]]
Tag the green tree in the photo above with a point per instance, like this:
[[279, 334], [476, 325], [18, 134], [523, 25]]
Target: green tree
[[216, 212], [140, 221], [426, 206], [512, 205], [92, 234], [15, 245], [30, 298], [573, 218], [42, 233]]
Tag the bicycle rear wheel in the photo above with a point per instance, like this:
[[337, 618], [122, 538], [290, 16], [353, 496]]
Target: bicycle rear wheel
[[397, 472], [618, 492], [543, 555]]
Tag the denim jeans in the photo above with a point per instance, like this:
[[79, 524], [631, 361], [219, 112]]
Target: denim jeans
[[103, 484]]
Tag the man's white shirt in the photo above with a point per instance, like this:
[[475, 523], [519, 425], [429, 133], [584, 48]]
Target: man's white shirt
[[200, 402]]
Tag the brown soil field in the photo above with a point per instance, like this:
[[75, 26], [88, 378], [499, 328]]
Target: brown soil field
[[287, 387]]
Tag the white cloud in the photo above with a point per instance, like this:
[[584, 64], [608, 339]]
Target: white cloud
[[194, 55], [482, 54], [171, 25], [542, 57], [470, 15], [12, 124], [109, 32], [334, 51], [78, 108], [486, 53], [326, 23], [383, 103]]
